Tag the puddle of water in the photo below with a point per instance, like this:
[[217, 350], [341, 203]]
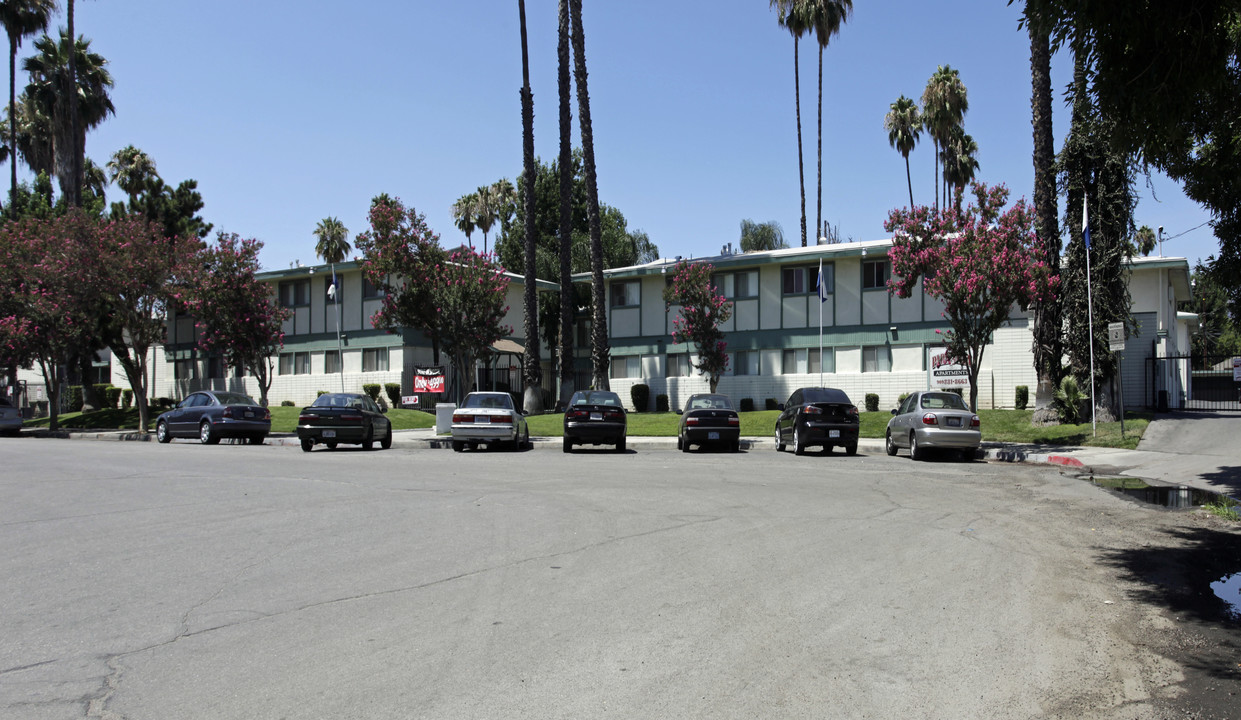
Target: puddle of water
[[1174, 496], [1228, 589]]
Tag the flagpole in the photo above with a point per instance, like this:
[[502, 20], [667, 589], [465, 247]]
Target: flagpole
[[819, 292], [1094, 427]]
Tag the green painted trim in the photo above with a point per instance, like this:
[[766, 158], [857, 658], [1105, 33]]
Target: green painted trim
[[355, 339], [739, 261], [780, 339]]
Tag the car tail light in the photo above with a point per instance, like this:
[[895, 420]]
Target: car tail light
[[929, 419], [266, 414], [462, 418], [577, 414], [812, 410], [353, 417], [734, 420], [304, 418], [975, 422], [228, 412], [614, 415], [691, 421], [506, 419], [852, 412]]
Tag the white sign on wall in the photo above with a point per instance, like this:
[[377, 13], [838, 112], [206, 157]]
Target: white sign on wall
[[945, 374], [1236, 369]]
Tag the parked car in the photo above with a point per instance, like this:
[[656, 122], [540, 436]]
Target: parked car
[[818, 416], [709, 420], [10, 418], [595, 417], [348, 418], [212, 414], [489, 418], [930, 419]]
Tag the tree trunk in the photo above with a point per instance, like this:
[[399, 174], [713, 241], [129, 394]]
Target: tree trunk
[[818, 211], [801, 170], [936, 142], [12, 126], [910, 182], [75, 167], [566, 212], [1048, 341], [533, 401], [600, 353], [52, 379], [90, 399]]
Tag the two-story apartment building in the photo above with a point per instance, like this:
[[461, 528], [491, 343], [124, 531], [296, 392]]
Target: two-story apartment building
[[871, 341]]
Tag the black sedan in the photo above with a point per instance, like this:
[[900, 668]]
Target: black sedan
[[595, 417], [709, 420], [818, 416], [211, 414], [349, 418]]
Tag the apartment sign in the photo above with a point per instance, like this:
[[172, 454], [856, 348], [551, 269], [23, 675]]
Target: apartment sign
[[429, 379], [945, 374]]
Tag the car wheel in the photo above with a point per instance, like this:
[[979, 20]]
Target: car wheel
[[458, 446], [526, 444], [257, 439], [735, 446], [798, 449], [568, 445], [966, 454], [386, 442], [679, 442], [915, 452], [779, 444], [161, 432], [620, 446], [368, 443], [307, 443], [683, 443], [888, 444], [851, 449], [205, 435], [331, 444]]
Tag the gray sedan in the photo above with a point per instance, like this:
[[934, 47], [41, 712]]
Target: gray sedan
[[10, 418], [931, 419]]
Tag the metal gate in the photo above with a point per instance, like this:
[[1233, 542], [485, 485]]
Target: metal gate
[[1193, 382]]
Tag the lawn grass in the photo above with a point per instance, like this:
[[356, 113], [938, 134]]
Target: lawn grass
[[283, 419]]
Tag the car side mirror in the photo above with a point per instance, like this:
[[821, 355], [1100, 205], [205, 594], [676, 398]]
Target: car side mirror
[[383, 410], [679, 411], [780, 407], [893, 411], [524, 412]]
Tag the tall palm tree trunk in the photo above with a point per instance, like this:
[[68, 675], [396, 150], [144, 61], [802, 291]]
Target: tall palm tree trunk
[[533, 400], [936, 141], [910, 182], [566, 209], [1048, 338], [801, 165], [75, 197], [600, 353], [12, 120], [818, 210]]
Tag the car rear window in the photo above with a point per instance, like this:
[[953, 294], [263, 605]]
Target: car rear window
[[943, 401], [826, 395], [494, 401], [336, 400], [598, 398], [234, 399]]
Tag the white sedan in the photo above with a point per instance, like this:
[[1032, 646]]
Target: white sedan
[[489, 418]]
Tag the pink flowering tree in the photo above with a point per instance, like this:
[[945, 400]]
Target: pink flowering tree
[[702, 311], [237, 314], [456, 299], [979, 262]]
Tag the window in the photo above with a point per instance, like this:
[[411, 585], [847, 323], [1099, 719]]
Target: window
[[375, 360], [679, 365], [745, 362], [801, 361], [805, 280], [295, 363], [625, 294], [295, 292], [583, 333], [877, 358], [874, 275], [184, 369], [330, 296], [215, 367], [331, 362], [736, 285], [625, 366], [370, 289]]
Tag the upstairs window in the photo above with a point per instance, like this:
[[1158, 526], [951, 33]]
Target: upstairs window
[[626, 294], [875, 274], [294, 293]]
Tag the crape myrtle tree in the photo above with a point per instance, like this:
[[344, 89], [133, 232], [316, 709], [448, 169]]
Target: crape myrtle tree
[[457, 299], [237, 314], [979, 263], [702, 311]]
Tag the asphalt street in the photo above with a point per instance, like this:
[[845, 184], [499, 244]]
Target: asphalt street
[[188, 581]]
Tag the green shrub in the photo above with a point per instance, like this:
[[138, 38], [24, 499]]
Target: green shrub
[[747, 405], [393, 391], [127, 399], [75, 398], [287, 403], [872, 402], [901, 400], [321, 393], [101, 394], [771, 404], [1023, 397], [640, 394], [112, 397], [1068, 401], [372, 389], [661, 403]]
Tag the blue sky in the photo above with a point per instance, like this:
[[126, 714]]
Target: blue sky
[[288, 112]]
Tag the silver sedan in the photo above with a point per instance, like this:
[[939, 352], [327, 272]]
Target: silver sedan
[[932, 419], [489, 418]]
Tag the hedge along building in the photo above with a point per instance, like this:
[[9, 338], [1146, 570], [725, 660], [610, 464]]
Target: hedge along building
[[872, 341], [312, 360]]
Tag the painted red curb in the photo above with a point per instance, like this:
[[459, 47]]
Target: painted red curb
[[1065, 460]]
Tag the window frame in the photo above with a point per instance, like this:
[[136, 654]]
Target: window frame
[[868, 276], [621, 299], [374, 355], [875, 350]]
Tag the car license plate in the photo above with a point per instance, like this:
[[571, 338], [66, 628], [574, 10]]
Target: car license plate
[[249, 413], [482, 419], [954, 422], [713, 436], [329, 433], [833, 433], [596, 416]]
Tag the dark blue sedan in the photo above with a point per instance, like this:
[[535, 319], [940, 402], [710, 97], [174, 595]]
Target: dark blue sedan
[[212, 414]]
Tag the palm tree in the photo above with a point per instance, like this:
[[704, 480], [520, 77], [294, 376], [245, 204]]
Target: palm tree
[[600, 354], [464, 212], [944, 104], [504, 196], [21, 19], [486, 210], [960, 162], [567, 305], [904, 125], [792, 16], [826, 17], [1048, 338], [333, 246], [131, 169], [72, 114], [533, 395]]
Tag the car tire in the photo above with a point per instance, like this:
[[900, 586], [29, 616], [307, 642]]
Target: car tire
[[458, 446], [735, 446], [798, 448], [779, 444], [851, 449], [525, 441], [307, 444], [679, 442], [386, 442], [888, 444], [368, 442], [257, 439], [568, 445], [683, 443], [331, 444], [161, 432], [620, 446], [205, 434], [915, 452]]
